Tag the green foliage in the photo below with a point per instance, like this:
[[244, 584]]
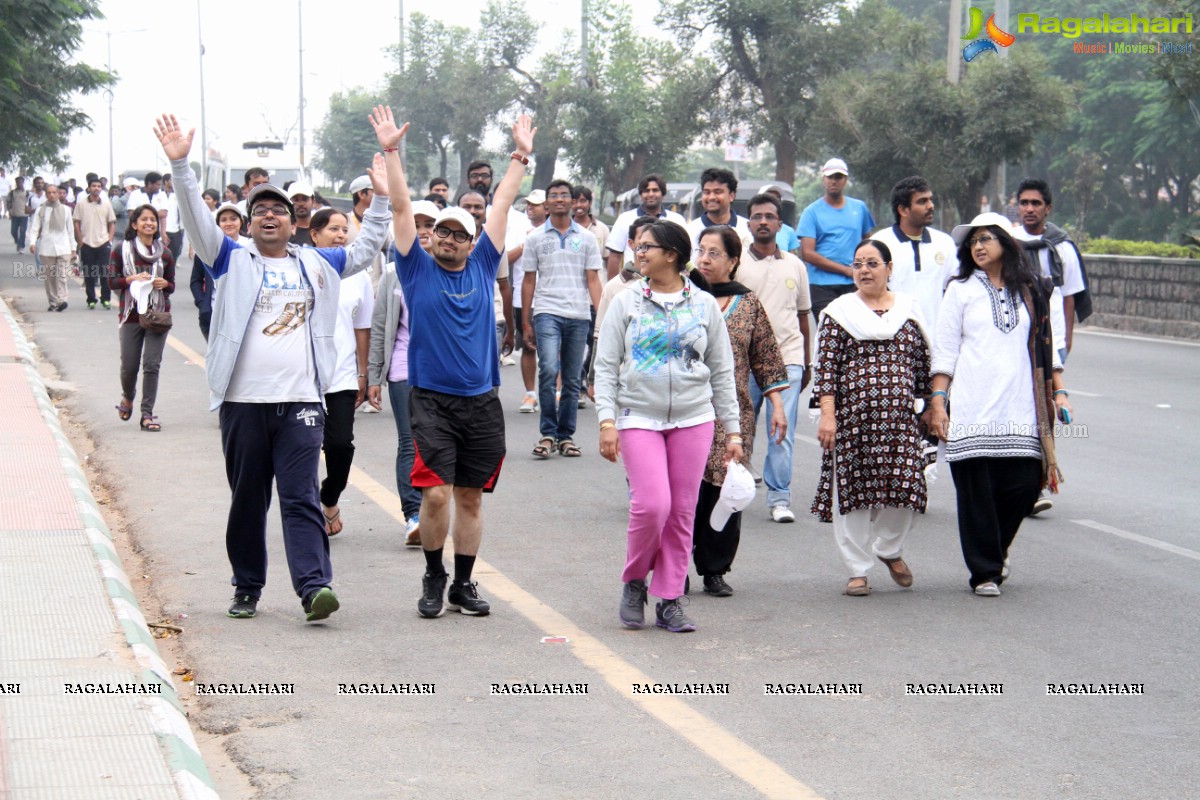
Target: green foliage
[[345, 139], [1124, 247], [37, 79]]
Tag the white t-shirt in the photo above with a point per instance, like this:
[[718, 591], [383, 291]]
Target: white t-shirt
[[1072, 283], [275, 362], [513, 239], [356, 301], [939, 263], [618, 234]]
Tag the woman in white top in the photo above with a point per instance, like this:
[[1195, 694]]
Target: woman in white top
[[993, 353], [352, 338]]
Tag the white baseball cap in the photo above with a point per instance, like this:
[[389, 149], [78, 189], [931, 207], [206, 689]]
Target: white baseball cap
[[360, 183], [425, 208], [456, 214], [300, 189], [736, 494], [834, 166], [132, 182], [536, 198]]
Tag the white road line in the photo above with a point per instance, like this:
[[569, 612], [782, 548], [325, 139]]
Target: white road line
[[1137, 537], [1152, 339]]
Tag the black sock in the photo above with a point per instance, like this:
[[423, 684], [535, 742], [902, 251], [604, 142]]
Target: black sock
[[462, 568], [433, 562]]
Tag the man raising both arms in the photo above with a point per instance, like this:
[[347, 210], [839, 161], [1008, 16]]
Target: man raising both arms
[[453, 366]]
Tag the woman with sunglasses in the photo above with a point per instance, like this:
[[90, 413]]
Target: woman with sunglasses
[[872, 364], [997, 387], [664, 365]]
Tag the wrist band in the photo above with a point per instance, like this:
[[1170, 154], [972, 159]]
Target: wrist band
[[606, 425], [1063, 392], [938, 393], [391, 149], [515, 156]]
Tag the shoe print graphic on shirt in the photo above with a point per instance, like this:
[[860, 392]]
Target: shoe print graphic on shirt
[[290, 319]]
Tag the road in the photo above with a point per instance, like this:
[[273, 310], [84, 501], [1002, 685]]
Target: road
[[1104, 590]]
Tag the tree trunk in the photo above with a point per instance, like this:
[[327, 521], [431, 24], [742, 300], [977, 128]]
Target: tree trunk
[[785, 159], [543, 169], [444, 156]]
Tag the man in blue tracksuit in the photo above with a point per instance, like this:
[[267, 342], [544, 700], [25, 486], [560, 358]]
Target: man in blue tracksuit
[[270, 360]]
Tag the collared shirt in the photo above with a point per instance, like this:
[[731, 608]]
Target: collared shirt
[[921, 267], [781, 284], [600, 231], [739, 224], [94, 219], [618, 235], [561, 262]]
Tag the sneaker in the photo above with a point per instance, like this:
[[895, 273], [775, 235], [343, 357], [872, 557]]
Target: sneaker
[[1043, 504], [320, 604], [91, 305], [782, 514], [244, 606], [633, 599], [582, 401], [107, 306], [61, 307], [716, 586], [669, 614], [508, 361], [464, 598], [432, 589], [988, 589], [367, 408], [412, 532], [528, 405]]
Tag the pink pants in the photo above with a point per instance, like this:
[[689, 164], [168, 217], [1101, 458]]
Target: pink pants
[[664, 468]]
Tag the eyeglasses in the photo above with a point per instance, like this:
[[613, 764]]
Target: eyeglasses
[[646, 248], [459, 236], [872, 264], [984, 238], [764, 217], [558, 196], [717, 254], [473, 175], [262, 211]]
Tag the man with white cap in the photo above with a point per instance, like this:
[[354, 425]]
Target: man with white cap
[[303, 199], [454, 366], [122, 208], [830, 228], [270, 362]]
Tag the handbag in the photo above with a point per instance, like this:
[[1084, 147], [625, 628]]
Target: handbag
[[155, 321]]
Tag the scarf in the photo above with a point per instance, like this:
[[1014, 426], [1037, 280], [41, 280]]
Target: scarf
[[1041, 361], [149, 255], [858, 320], [727, 289]]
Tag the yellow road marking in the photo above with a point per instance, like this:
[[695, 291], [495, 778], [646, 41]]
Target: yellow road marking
[[763, 774]]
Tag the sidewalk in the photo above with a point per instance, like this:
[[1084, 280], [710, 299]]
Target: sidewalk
[[87, 707]]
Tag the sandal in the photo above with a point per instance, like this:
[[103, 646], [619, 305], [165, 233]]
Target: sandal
[[543, 447], [333, 522], [124, 409], [857, 587], [900, 572], [148, 424], [569, 449]]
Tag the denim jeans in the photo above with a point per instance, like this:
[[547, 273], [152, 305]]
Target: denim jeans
[[777, 470], [406, 451], [561, 343]]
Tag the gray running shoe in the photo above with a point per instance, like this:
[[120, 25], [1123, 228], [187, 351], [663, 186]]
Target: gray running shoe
[[669, 614], [633, 599]]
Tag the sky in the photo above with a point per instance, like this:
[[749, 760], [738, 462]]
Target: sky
[[251, 66]]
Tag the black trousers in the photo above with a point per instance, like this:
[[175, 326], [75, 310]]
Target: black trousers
[[824, 294], [94, 261], [713, 551], [994, 496], [338, 445]]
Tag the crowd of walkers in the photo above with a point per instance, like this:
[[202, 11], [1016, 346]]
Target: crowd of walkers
[[928, 347]]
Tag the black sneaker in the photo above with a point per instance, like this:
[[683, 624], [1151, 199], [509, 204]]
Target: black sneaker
[[320, 604], [244, 606], [716, 586], [464, 598], [633, 598], [432, 589], [669, 614]]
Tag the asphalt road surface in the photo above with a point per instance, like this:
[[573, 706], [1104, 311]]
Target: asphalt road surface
[[1104, 590]]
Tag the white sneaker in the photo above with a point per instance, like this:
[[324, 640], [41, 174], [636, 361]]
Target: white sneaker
[[507, 361], [412, 532], [367, 408], [782, 514], [582, 401], [529, 405], [988, 589], [1043, 504]]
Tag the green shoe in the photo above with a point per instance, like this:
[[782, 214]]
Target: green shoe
[[320, 604]]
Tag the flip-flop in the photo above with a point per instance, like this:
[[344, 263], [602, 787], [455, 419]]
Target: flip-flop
[[124, 409], [148, 424], [332, 520]]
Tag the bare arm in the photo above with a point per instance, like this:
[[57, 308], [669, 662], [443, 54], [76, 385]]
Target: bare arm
[[594, 287], [808, 252], [613, 265], [404, 226], [194, 216], [506, 192], [1069, 314]]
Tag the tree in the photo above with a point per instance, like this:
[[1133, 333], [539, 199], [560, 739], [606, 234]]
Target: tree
[[345, 142], [36, 81]]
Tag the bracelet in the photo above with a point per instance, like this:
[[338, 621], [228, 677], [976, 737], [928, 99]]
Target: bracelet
[[516, 156], [607, 425], [391, 149], [938, 393], [362, 375], [1063, 392], [733, 437]]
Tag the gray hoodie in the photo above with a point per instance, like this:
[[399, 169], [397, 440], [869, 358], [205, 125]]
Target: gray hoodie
[[665, 365]]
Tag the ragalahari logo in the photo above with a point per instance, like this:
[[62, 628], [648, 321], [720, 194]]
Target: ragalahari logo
[[981, 46]]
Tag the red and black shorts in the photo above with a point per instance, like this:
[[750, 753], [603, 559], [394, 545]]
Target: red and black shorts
[[459, 440]]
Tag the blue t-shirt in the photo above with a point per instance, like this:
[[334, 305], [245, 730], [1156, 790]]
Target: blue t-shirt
[[837, 231], [452, 348], [787, 239]]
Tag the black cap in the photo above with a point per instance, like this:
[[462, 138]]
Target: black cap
[[267, 190]]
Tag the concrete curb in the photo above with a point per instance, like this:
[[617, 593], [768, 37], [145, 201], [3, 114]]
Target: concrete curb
[[165, 712]]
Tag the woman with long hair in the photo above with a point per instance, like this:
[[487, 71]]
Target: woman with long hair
[[995, 365], [329, 228], [872, 366], [755, 352], [141, 257], [664, 373]]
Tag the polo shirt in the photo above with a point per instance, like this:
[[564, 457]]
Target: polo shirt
[[93, 219], [561, 262], [739, 224], [837, 231], [618, 235], [781, 284], [921, 267]]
